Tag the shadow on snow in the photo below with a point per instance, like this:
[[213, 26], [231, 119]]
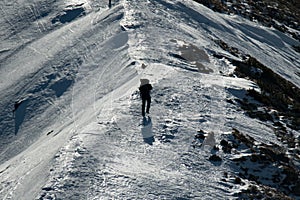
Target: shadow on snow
[[146, 130]]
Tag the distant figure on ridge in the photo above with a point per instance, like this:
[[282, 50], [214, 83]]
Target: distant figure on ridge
[[145, 89]]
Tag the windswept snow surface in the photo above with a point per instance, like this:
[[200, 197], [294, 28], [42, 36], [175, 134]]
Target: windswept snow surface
[[72, 80]]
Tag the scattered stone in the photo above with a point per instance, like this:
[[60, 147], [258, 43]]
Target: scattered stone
[[223, 143], [238, 181], [268, 166], [215, 158], [47, 188], [200, 136], [226, 147], [247, 140], [216, 148]]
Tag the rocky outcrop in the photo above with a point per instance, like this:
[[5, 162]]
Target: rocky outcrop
[[267, 168], [281, 15]]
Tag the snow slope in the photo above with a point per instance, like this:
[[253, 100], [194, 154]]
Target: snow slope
[[76, 132]]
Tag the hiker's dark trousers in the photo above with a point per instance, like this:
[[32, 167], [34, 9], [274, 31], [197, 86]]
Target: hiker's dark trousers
[[144, 101]]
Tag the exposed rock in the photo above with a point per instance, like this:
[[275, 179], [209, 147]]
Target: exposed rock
[[266, 165], [296, 189], [273, 155], [277, 14], [247, 140], [238, 180], [215, 158], [226, 147], [292, 175], [200, 136]]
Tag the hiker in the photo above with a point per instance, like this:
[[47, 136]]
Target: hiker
[[145, 89]]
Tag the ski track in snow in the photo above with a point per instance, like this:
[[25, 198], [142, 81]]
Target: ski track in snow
[[82, 91]]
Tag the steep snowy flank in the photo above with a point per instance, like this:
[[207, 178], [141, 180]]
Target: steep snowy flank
[[70, 111]]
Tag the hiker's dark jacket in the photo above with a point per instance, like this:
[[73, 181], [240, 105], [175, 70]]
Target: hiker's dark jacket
[[145, 91]]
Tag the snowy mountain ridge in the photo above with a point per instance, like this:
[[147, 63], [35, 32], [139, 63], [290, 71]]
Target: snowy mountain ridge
[[71, 125]]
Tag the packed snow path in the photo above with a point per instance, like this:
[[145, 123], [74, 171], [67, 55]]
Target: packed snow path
[[81, 136]]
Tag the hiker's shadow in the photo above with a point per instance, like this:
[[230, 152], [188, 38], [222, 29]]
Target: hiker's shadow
[[146, 130]]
